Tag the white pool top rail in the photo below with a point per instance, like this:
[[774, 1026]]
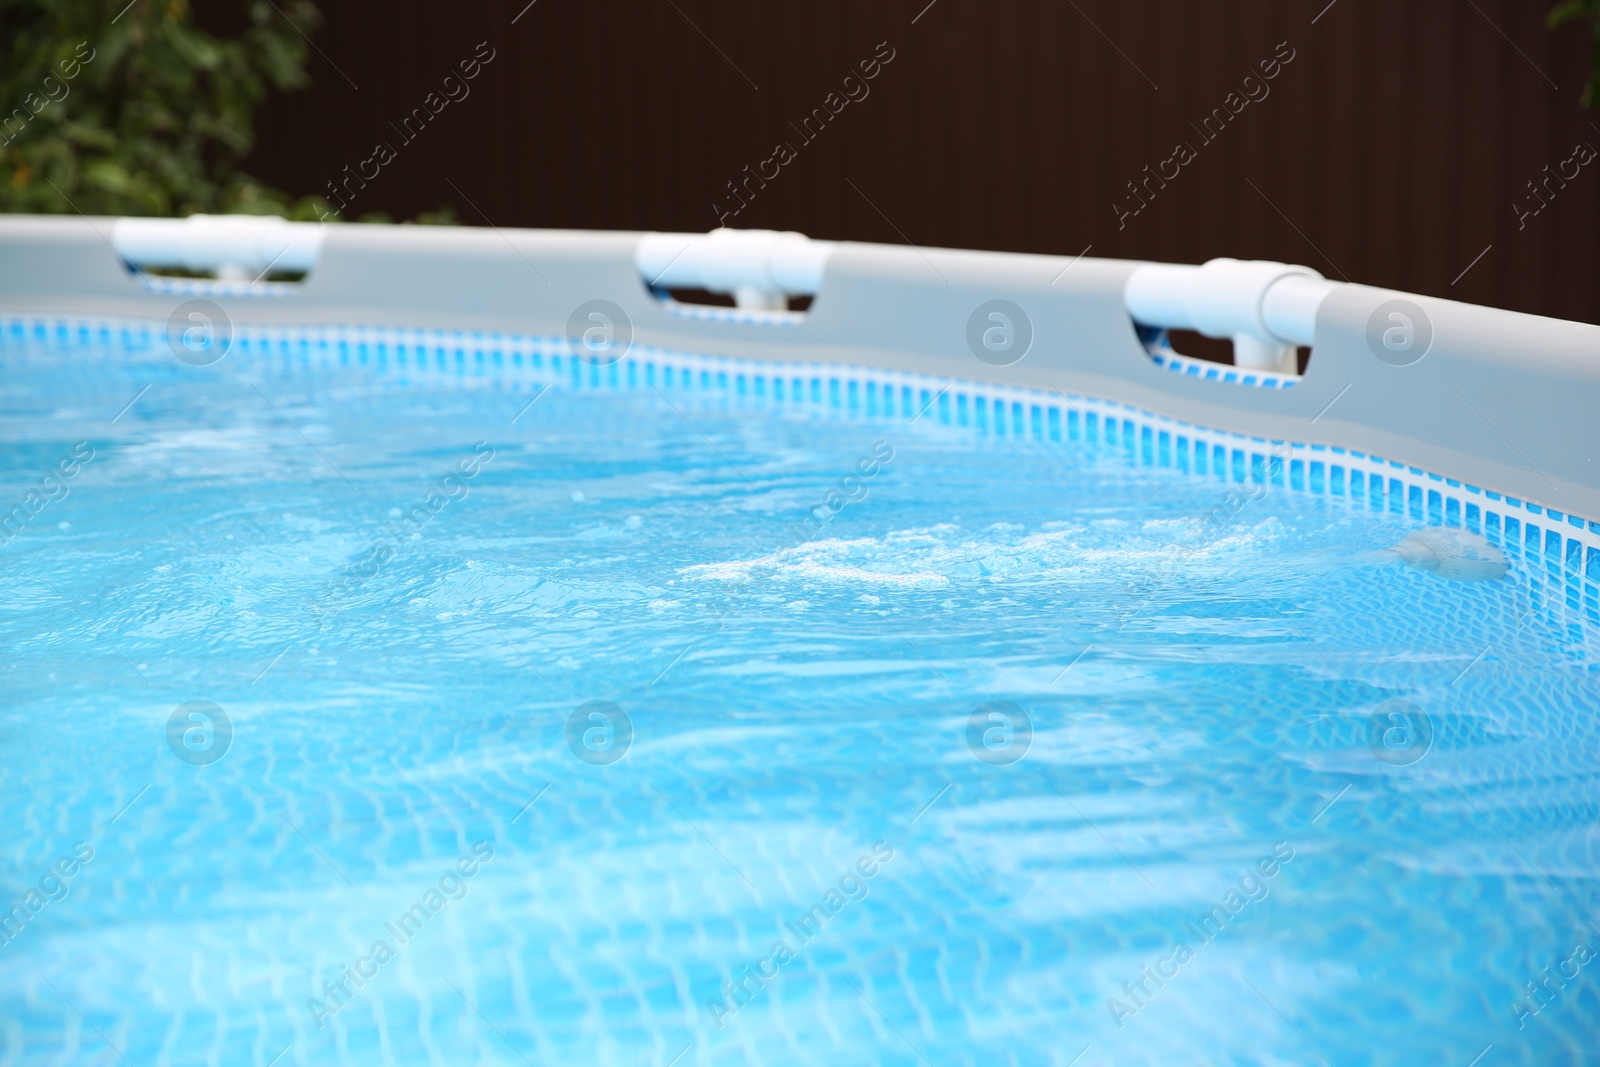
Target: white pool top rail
[[1502, 400]]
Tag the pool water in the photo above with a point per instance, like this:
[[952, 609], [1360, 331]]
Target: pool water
[[402, 722]]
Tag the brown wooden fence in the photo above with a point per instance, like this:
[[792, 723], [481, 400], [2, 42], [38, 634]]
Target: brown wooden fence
[[1394, 142]]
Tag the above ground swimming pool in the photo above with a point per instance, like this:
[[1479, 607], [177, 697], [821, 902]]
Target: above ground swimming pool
[[386, 692]]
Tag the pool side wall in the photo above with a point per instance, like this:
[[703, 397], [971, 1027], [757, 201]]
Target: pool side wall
[[1505, 401]]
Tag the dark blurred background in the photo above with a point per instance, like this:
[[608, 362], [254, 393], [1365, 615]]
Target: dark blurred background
[[1391, 150]]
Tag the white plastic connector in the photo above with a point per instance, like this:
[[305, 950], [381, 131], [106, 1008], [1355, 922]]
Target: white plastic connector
[[236, 247], [1266, 308], [760, 268], [1289, 306]]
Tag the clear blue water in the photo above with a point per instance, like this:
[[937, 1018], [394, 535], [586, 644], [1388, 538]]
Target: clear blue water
[[1199, 704]]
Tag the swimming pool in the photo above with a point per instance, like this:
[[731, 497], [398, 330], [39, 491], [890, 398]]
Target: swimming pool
[[396, 695]]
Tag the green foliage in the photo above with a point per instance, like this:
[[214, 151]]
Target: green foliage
[[141, 113], [117, 108], [1583, 11]]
